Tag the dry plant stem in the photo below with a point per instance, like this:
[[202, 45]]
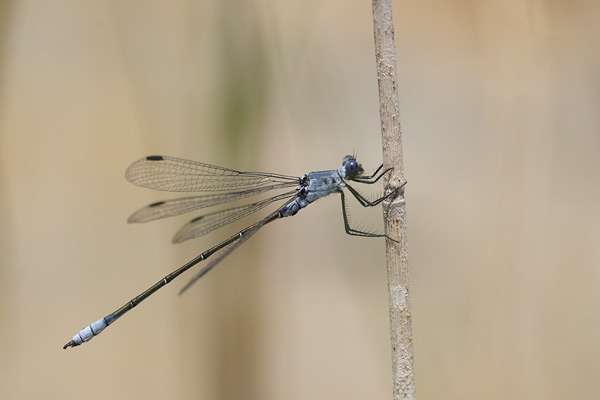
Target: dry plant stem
[[394, 211]]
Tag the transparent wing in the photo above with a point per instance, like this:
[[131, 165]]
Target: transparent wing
[[178, 175], [203, 224], [224, 252], [172, 207]]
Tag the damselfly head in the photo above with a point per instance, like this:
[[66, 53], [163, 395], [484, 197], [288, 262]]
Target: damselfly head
[[352, 167]]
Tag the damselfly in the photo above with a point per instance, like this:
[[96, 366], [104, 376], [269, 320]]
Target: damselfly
[[177, 175]]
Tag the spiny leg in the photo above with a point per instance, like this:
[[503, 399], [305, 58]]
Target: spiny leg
[[374, 173], [367, 203], [367, 179], [352, 231]]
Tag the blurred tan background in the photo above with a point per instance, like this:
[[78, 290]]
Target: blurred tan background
[[500, 114]]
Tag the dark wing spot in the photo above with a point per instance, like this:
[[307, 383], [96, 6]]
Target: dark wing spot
[[154, 158], [158, 203], [196, 219]]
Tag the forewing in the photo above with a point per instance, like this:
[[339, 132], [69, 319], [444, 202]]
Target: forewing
[[178, 175]]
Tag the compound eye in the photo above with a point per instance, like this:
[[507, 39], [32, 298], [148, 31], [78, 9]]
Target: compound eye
[[352, 168]]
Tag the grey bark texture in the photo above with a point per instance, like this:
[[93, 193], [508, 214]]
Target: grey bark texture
[[394, 210]]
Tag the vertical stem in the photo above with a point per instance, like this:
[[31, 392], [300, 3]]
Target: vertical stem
[[394, 211]]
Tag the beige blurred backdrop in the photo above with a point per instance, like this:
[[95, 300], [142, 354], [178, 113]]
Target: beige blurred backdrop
[[500, 115]]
